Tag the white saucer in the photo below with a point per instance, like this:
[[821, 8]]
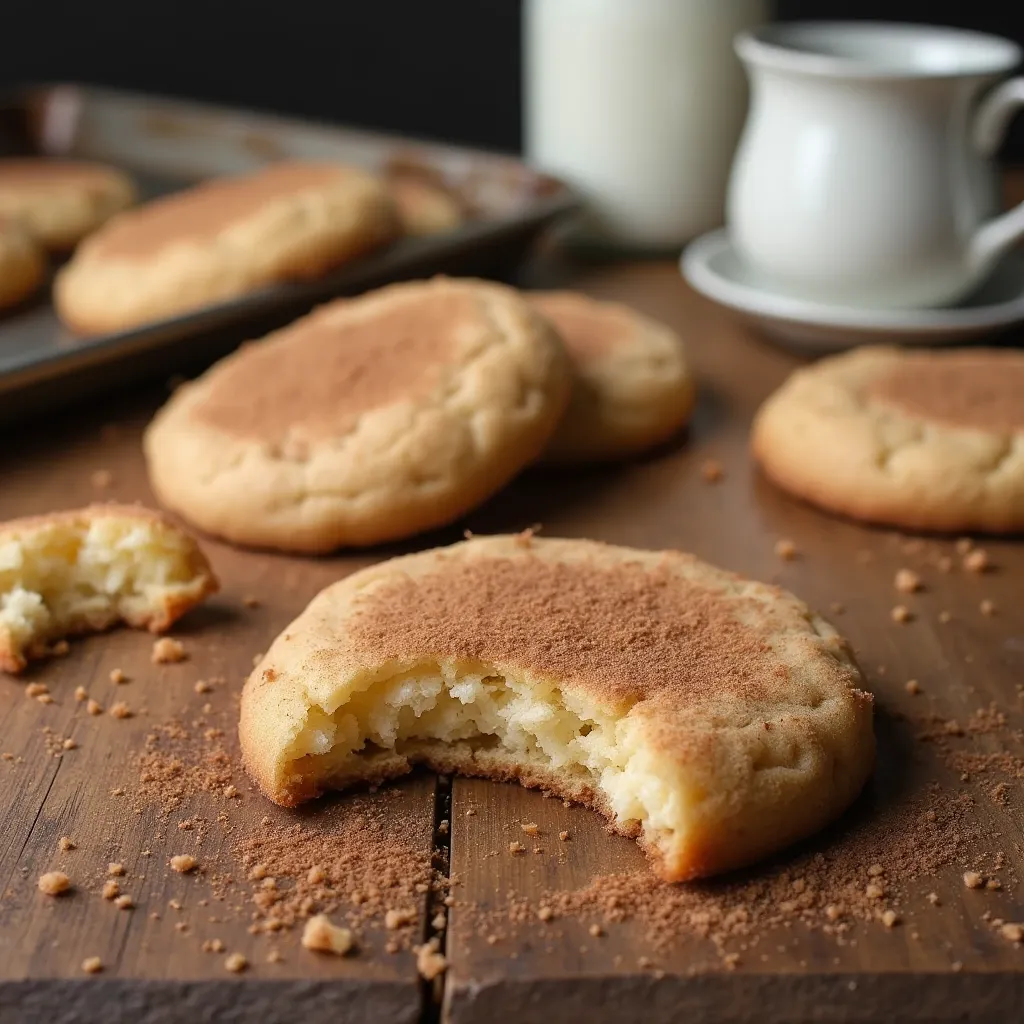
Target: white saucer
[[712, 267]]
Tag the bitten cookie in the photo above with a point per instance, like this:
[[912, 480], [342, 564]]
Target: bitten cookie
[[371, 419], [85, 570], [923, 440], [61, 201], [714, 718], [634, 388], [222, 239], [22, 263]]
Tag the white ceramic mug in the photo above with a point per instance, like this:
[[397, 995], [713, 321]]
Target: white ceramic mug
[[864, 174]]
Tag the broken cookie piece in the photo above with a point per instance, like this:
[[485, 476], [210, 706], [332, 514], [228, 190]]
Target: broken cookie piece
[[714, 718], [86, 570]]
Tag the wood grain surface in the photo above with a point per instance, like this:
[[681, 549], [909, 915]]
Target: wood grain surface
[[956, 968]]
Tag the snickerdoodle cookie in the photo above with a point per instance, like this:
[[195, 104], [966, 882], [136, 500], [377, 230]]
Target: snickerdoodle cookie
[[925, 440], [222, 239], [369, 420], [714, 718], [61, 201], [22, 263], [634, 387], [85, 570]]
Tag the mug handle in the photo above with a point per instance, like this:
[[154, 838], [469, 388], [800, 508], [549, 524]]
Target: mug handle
[[991, 121]]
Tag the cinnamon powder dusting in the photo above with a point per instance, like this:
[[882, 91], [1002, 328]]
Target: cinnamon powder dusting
[[983, 389]]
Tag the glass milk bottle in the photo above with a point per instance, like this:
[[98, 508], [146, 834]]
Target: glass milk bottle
[[639, 105]]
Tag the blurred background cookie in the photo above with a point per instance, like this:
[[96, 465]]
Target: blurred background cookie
[[370, 420], [62, 201], [220, 239], [424, 207], [925, 440], [634, 388], [22, 263]]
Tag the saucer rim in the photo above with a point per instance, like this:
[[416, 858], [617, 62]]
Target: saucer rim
[[695, 266]]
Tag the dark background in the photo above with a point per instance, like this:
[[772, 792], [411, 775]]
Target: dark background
[[434, 68]]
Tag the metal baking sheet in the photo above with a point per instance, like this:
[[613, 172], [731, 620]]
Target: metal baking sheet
[[167, 145]]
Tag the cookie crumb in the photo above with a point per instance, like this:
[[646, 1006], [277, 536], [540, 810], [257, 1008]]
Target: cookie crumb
[[202, 686], [322, 935], [92, 965], [119, 709], [167, 650], [516, 847], [251, 602], [531, 828], [564, 836], [837, 608], [977, 561], [275, 957], [231, 792], [183, 863], [53, 883], [987, 607], [973, 880], [944, 617], [316, 875], [115, 869], [118, 677], [890, 919], [901, 613], [94, 707], [964, 545], [1012, 931], [81, 693], [36, 689], [786, 549], [111, 890], [933, 899], [874, 891], [912, 686], [236, 963], [101, 479], [399, 918], [69, 744], [545, 913], [66, 843], [711, 470], [430, 963], [907, 581], [124, 902], [596, 931]]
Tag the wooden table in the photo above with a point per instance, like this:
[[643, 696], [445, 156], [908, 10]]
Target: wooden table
[[956, 968]]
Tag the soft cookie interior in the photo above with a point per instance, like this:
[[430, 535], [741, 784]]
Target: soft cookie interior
[[73, 575]]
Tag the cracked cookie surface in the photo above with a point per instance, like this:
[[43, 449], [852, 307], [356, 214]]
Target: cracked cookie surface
[[922, 440], [370, 420]]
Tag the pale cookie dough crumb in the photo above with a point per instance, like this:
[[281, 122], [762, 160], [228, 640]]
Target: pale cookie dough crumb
[[70, 744], [933, 899], [81, 693], [712, 471], [66, 843], [973, 880], [202, 686], [53, 883], [786, 549], [257, 872], [119, 709], [231, 792], [890, 919], [907, 581], [36, 689], [901, 613], [977, 561], [275, 957], [430, 963], [251, 602], [115, 869], [316, 875], [101, 479], [913, 687], [94, 707], [236, 963], [1012, 931], [124, 902], [167, 650], [531, 828], [987, 607], [399, 918], [545, 913], [183, 863], [564, 836], [596, 931], [516, 847], [874, 891], [111, 890], [324, 937], [731, 961], [44, 698], [92, 965], [118, 677], [439, 920]]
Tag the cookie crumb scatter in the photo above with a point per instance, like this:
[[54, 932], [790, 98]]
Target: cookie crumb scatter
[[92, 965], [45, 698], [531, 828], [183, 863], [874, 891], [111, 890], [786, 549], [101, 479], [236, 963], [322, 935], [231, 792], [53, 883], [913, 687], [545, 913], [119, 709], [516, 847], [907, 581], [399, 918], [977, 561], [596, 931], [94, 707], [69, 744], [973, 880], [1012, 932], [124, 902], [167, 650], [202, 686], [711, 470], [275, 957], [36, 689], [564, 836], [66, 843], [118, 677], [81, 694], [987, 607], [890, 919], [115, 869], [901, 614], [430, 963]]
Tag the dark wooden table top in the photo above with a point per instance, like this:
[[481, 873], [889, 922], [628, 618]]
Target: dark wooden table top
[[944, 962]]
